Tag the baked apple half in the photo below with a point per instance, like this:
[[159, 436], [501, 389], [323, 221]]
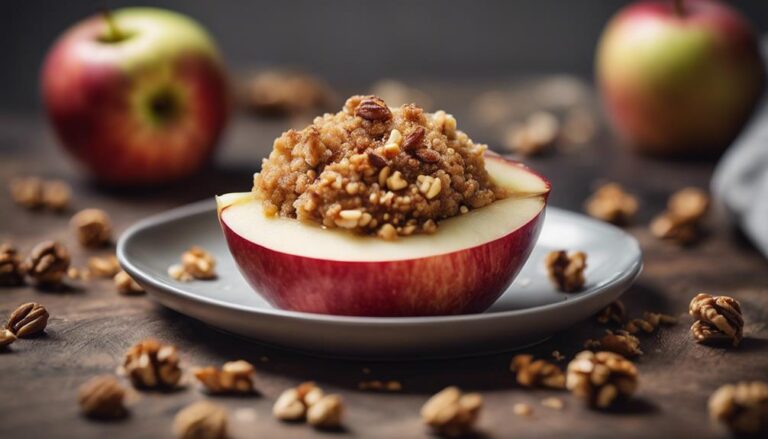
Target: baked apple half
[[462, 268]]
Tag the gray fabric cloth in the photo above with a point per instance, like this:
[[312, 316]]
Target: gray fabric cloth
[[740, 182]]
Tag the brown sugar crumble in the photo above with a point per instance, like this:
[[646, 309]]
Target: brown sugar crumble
[[376, 170]]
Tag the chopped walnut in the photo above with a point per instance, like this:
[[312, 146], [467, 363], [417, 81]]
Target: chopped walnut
[[657, 319], [553, 403], [233, 377], [92, 227], [613, 313], [103, 266], [621, 342], [566, 270], [601, 378], [536, 135], [380, 386], [11, 273], [680, 223], [326, 412], [668, 227], [177, 272], [47, 263], [27, 192], [56, 195], [612, 204], [151, 364], [717, 314], [102, 397], [199, 263], [537, 373], [28, 320], [6, 338], [201, 420], [293, 403], [742, 407], [125, 284], [451, 412]]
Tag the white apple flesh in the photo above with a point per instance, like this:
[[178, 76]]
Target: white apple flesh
[[462, 268]]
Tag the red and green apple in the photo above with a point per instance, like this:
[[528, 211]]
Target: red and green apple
[[139, 95]]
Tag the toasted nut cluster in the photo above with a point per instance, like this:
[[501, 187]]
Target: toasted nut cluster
[[125, 284], [201, 420], [612, 204], [536, 135], [93, 227], [621, 342], [196, 263], [47, 263], [11, 273], [233, 377], [33, 193], [297, 404], [451, 412], [566, 270], [680, 223], [601, 378], [152, 365], [380, 386], [537, 373], [106, 266], [6, 338], [285, 93], [613, 313], [102, 397], [717, 318], [742, 407], [28, 320]]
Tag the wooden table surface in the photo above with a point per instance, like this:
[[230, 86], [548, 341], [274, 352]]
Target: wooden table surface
[[91, 326]]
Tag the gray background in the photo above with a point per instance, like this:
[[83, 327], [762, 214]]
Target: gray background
[[350, 42]]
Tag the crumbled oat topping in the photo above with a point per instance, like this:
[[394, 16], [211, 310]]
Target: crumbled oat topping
[[537, 373], [601, 378], [612, 204], [566, 270], [93, 227], [451, 412], [233, 377], [201, 420], [742, 407], [376, 170], [716, 317], [102, 397]]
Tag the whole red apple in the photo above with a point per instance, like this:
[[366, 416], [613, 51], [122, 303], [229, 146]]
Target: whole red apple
[[679, 78], [139, 96]]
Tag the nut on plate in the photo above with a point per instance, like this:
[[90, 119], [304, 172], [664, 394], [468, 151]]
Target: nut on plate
[[233, 377], [742, 407], [92, 227], [566, 270], [28, 320], [199, 263], [601, 378], [151, 364], [11, 273], [717, 317], [47, 263], [102, 397], [125, 284], [612, 204], [201, 420], [451, 412], [537, 373]]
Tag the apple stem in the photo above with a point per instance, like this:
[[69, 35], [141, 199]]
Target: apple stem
[[114, 34], [679, 7]]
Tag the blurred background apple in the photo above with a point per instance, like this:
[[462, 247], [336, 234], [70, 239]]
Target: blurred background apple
[[139, 96], [679, 78]]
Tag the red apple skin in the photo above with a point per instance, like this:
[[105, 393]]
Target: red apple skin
[[677, 85], [97, 97]]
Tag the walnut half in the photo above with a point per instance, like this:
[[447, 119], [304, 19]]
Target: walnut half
[[742, 407], [716, 316], [201, 420], [451, 412], [233, 377], [566, 270], [152, 365], [102, 397], [601, 378]]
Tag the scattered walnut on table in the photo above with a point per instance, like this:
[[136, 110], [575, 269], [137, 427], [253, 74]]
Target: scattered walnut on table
[[742, 407], [151, 364], [613, 313], [28, 320], [326, 413], [233, 377], [27, 192], [6, 338], [716, 314], [522, 409], [553, 403], [57, 195], [11, 272], [293, 403], [566, 270], [125, 284], [47, 263], [201, 420], [92, 227], [612, 204], [103, 266], [380, 386], [681, 222], [451, 412], [102, 397], [621, 342], [636, 325], [536, 135], [601, 378], [537, 373]]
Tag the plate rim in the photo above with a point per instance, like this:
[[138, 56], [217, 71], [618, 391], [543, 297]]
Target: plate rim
[[196, 208]]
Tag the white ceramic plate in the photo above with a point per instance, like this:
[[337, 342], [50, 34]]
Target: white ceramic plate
[[529, 311]]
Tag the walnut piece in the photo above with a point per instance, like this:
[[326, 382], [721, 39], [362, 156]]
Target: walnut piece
[[125, 284], [27, 192], [151, 364], [11, 273], [451, 412], [537, 373], [613, 313], [102, 397], [293, 403], [6, 338], [612, 204], [201, 420], [92, 227], [199, 263], [47, 263], [536, 135], [566, 270], [106, 266], [28, 320], [233, 377], [601, 378], [621, 342], [326, 412], [668, 227], [522, 409], [742, 407], [380, 386], [680, 223], [57, 195], [716, 314]]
